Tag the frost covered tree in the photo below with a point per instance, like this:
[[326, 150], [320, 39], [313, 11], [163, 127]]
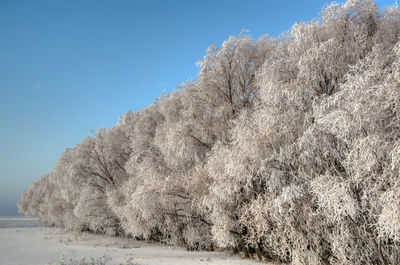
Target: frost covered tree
[[286, 149], [136, 202], [35, 199], [75, 193], [100, 165], [174, 137], [261, 190], [354, 170]]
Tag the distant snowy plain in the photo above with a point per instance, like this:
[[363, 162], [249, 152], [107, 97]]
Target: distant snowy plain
[[25, 241]]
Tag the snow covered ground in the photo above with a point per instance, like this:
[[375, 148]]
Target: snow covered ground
[[39, 245]]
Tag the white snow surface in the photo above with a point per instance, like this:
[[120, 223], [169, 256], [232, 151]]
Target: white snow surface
[[41, 245]]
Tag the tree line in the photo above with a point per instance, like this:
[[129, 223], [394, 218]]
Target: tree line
[[285, 148]]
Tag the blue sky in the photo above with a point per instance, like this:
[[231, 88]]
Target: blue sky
[[71, 66]]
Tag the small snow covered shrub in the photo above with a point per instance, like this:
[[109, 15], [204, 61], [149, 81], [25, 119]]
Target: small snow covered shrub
[[83, 261], [104, 260]]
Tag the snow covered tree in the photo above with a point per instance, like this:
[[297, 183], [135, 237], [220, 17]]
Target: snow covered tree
[[261, 189], [285, 148], [351, 158]]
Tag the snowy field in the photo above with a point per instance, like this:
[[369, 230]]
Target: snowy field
[[23, 242]]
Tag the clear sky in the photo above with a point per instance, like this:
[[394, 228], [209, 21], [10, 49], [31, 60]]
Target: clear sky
[[67, 67]]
